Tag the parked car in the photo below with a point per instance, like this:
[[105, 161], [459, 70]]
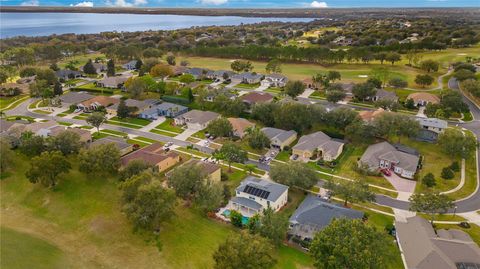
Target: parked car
[[386, 172], [294, 157]]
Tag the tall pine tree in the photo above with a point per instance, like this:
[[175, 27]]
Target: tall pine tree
[[88, 68], [110, 68]]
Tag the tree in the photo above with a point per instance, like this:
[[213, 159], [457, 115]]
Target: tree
[[46, 168], [398, 83], [393, 57], [67, 142], [6, 153], [57, 89], [171, 60], [423, 80], [220, 127], [161, 70], [356, 191], [429, 180], [273, 226], [429, 66], [102, 159], [257, 139], [346, 243], [335, 96], [241, 66], [96, 119], [133, 168], [390, 124], [136, 86], [456, 144], [294, 88], [209, 196], [151, 205], [236, 218], [152, 53], [186, 78], [88, 68], [381, 74], [359, 133], [32, 145], [464, 74], [274, 66], [364, 91], [122, 110], [110, 68], [387, 104], [455, 166], [230, 152], [430, 203], [294, 174], [447, 173], [250, 168], [138, 64], [244, 250], [186, 180], [375, 80]]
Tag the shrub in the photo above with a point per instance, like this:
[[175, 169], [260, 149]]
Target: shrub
[[447, 173], [236, 218], [455, 167], [429, 180]]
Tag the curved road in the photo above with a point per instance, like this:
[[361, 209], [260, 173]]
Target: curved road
[[471, 203]]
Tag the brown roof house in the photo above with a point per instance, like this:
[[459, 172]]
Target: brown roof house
[[423, 248], [97, 102], [253, 98], [423, 98], [119, 142], [318, 145], [370, 115], [240, 125], [153, 155], [212, 171], [85, 135]]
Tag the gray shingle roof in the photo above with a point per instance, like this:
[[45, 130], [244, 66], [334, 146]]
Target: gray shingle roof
[[246, 202], [198, 116], [279, 134], [168, 106], [275, 189], [318, 140], [315, 213], [119, 142], [386, 151], [432, 122], [75, 97]]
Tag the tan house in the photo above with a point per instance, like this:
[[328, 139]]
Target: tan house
[[254, 98], [97, 102], [318, 146], [423, 98], [119, 142], [279, 139], [370, 115], [240, 125], [153, 155], [213, 171]]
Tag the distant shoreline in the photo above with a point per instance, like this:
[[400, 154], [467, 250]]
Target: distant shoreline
[[262, 12]]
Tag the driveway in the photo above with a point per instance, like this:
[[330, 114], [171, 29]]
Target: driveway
[[401, 184], [186, 134], [262, 88], [153, 124], [306, 93]]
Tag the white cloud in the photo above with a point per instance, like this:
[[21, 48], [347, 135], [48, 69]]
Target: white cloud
[[30, 3], [83, 4], [213, 2], [125, 3], [316, 4]]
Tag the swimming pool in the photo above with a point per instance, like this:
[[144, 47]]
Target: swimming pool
[[226, 213]]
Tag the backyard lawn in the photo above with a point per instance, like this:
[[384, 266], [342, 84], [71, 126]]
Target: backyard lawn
[[82, 218]]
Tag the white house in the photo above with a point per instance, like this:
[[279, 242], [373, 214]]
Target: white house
[[255, 194], [196, 119], [274, 80]]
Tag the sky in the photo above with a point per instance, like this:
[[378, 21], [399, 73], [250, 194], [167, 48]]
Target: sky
[[247, 3]]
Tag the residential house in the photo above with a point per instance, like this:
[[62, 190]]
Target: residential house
[[318, 145], [316, 213], [97, 102], [370, 115], [221, 75], [13, 89], [113, 82], [119, 142], [423, 98], [154, 155], [67, 74], [99, 67], [343, 41], [253, 98], [308, 82], [402, 160], [198, 73], [140, 106], [212, 94], [247, 78], [274, 80], [279, 139], [255, 195], [40, 128], [73, 98], [239, 126], [213, 172], [132, 65], [85, 135], [27, 80], [196, 119], [179, 70], [423, 248], [382, 94], [164, 109], [431, 129]]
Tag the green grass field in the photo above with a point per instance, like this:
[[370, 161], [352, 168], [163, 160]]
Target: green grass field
[[21, 250], [167, 125], [12, 102]]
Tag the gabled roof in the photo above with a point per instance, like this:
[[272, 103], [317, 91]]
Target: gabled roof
[[119, 142], [386, 95], [424, 96], [206, 167], [423, 249], [276, 76], [37, 126], [402, 157], [75, 97], [100, 100], [433, 122], [240, 124], [152, 154], [278, 134], [141, 105], [257, 97], [318, 140], [113, 80], [246, 202], [170, 106], [198, 116], [67, 73], [264, 189], [318, 213]]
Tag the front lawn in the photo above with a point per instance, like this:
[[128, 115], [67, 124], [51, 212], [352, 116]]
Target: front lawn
[[283, 156], [136, 121], [168, 125], [247, 86], [160, 132]]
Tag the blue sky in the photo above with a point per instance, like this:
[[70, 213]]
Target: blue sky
[[249, 3]]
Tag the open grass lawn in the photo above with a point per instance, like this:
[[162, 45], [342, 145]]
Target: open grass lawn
[[168, 125], [82, 220], [91, 87], [17, 117], [21, 250], [42, 111], [470, 180], [136, 121], [8, 101], [443, 217], [113, 132], [283, 156], [403, 93], [247, 86], [350, 71], [473, 231], [80, 60]]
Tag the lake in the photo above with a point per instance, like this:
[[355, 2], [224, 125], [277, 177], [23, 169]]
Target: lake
[[42, 24]]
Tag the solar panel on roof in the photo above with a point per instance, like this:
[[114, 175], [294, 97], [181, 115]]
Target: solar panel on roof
[[256, 191]]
